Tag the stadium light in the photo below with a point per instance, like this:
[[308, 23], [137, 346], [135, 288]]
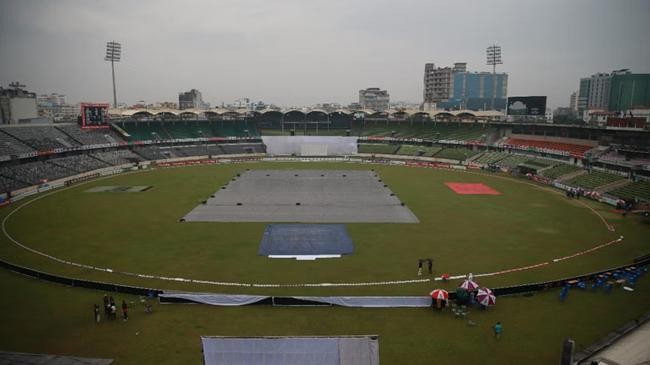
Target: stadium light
[[113, 54], [494, 59]]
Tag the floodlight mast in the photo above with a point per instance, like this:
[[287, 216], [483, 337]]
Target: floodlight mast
[[494, 59], [113, 54]]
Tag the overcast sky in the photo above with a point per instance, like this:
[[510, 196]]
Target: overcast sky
[[303, 52]]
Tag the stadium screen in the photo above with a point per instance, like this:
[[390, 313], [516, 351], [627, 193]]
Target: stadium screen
[[527, 105], [94, 115]]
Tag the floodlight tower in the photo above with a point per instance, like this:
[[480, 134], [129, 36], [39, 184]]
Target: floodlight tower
[[494, 59], [113, 54]]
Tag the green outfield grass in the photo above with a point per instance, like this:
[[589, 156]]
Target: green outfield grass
[[47, 318], [140, 232]]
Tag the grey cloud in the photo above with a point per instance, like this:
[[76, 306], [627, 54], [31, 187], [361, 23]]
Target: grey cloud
[[295, 52]]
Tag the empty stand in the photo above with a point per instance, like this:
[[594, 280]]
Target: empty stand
[[7, 184], [432, 131], [460, 153], [10, 145], [42, 137], [593, 180], [616, 158], [89, 136], [119, 157], [33, 173], [409, 150], [568, 148], [378, 148], [79, 163], [639, 189], [560, 170], [165, 130]]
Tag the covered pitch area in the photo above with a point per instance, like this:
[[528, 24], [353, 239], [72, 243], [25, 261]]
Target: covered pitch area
[[309, 196]]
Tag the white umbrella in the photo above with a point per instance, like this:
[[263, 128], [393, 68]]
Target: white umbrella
[[469, 285], [486, 297]]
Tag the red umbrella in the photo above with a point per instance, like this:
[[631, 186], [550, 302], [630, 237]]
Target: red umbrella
[[469, 285], [439, 294], [486, 297]]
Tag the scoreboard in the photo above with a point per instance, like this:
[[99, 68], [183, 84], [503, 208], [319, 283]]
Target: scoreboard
[[527, 105], [94, 115]]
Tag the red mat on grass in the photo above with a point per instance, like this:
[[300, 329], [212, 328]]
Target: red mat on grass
[[471, 189]]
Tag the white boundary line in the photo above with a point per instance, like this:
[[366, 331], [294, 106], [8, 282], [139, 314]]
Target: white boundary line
[[284, 285]]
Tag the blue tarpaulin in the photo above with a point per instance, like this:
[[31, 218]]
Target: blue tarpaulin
[[305, 240]]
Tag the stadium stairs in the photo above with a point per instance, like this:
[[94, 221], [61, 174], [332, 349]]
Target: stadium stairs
[[612, 186], [594, 180], [571, 175], [559, 171]]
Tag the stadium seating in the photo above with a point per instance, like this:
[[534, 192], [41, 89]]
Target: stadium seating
[[156, 130], [511, 161], [33, 173], [566, 148], [593, 180], [145, 131], [118, 157], [409, 150], [540, 163], [11, 146], [377, 148], [16, 176], [639, 189], [491, 157], [42, 137], [508, 160], [459, 153], [198, 150], [79, 163], [616, 158], [89, 136], [243, 148], [432, 131], [7, 184], [234, 128], [559, 170]]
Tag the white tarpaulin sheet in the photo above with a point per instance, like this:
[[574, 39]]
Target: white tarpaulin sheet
[[217, 299], [310, 145], [357, 301], [353, 350], [373, 302], [306, 196]]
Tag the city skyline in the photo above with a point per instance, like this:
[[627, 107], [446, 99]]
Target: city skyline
[[293, 53]]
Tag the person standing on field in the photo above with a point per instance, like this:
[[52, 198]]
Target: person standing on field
[[125, 309], [107, 308], [497, 330], [97, 317]]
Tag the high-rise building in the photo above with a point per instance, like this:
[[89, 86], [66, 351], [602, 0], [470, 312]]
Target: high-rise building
[[629, 91], [617, 91], [374, 98], [437, 84], [456, 88], [17, 105], [191, 100], [599, 91], [473, 90], [573, 101], [583, 95], [54, 107]]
